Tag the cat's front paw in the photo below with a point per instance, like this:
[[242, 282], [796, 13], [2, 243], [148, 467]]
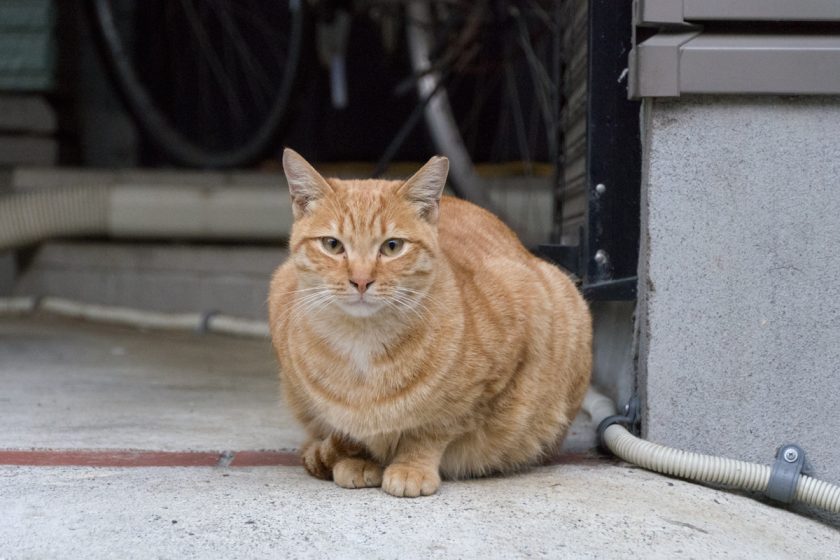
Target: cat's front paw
[[313, 462], [410, 481], [357, 473]]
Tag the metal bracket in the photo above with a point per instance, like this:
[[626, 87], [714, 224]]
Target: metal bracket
[[630, 420], [332, 36], [790, 459], [612, 290], [566, 256], [204, 323]]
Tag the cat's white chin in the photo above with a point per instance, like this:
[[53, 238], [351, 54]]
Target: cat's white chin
[[361, 308]]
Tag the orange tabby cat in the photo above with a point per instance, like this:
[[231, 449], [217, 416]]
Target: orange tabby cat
[[417, 337]]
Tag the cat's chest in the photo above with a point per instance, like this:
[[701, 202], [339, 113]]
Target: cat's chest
[[358, 354]]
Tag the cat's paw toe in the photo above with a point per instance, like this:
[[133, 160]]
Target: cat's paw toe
[[410, 481], [357, 473], [310, 456]]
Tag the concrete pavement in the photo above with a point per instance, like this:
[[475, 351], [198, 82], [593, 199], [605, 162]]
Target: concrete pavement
[[589, 510], [71, 384], [73, 388]]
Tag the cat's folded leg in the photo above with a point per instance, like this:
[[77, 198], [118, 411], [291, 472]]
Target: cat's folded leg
[[342, 460], [415, 469], [310, 456]]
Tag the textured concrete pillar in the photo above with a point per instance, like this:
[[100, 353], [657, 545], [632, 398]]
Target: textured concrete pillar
[[740, 276]]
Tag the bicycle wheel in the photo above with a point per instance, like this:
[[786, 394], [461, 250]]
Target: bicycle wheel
[[494, 71], [211, 85]]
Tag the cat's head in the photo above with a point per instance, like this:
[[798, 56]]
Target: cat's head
[[364, 246]]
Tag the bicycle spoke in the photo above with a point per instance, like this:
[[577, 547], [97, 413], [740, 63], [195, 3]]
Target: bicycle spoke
[[172, 41], [534, 124], [213, 62], [536, 9], [539, 77], [518, 118], [202, 77], [188, 88], [251, 72], [276, 42], [498, 150], [469, 124]]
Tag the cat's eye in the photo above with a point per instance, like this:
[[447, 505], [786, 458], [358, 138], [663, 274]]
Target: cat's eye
[[391, 247], [332, 245]]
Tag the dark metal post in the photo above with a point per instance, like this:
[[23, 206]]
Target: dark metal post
[[608, 254], [611, 243]]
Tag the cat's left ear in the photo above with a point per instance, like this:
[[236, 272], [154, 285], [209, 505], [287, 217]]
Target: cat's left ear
[[424, 189], [306, 185]]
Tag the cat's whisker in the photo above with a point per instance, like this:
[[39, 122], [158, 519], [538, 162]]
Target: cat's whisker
[[413, 301], [298, 291], [323, 305], [304, 290], [409, 305], [420, 295], [413, 291], [399, 309], [394, 307], [302, 304], [310, 305], [394, 303]]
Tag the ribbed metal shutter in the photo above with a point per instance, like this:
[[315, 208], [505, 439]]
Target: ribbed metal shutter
[[27, 45], [575, 17]]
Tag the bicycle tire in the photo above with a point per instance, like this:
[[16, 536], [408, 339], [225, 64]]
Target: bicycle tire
[[438, 112], [155, 124], [440, 117]]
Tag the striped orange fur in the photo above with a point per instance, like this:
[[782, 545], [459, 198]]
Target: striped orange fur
[[417, 337]]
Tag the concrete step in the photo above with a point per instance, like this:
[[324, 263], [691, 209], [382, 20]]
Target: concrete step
[[26, 113], [22, 148], [526, 201], [157, 277]]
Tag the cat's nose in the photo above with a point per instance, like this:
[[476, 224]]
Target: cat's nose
[[361, 283]]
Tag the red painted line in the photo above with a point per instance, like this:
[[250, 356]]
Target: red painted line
[[265, 459], [142, 458]]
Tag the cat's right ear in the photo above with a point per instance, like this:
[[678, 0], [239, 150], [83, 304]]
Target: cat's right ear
[[424, 189], [306, 185]]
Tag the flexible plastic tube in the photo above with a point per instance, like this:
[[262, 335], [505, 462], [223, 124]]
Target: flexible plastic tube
[[598, 405], [121, 315], [818, 493], [36, 215], [700, 467], [684, 464], [226, 211], [213, 322], [237, 326], [17, 305]]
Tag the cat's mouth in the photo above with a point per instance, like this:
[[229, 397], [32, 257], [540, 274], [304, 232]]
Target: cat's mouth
[[360, 306]]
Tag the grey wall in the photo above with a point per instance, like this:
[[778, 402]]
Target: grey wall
[[614, 349], [740, 276]]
